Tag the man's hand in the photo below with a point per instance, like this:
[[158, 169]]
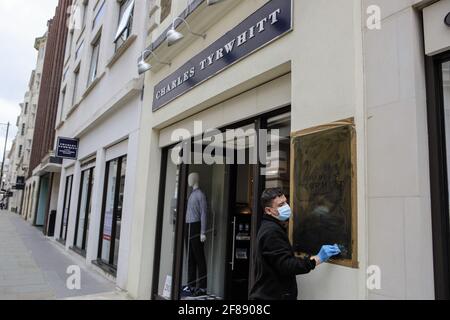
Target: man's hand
[[317, 259], [203, 238], [328, 252]]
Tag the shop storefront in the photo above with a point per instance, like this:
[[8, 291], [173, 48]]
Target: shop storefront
[[93, 207], [231, 187], [216, 131]]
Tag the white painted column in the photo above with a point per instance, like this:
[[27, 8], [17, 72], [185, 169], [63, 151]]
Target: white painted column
[[144, 219], [74, 205], [60, 206], [128, 210]]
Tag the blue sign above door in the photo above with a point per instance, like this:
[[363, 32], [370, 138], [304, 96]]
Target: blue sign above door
[[267, 24], [67, 148]]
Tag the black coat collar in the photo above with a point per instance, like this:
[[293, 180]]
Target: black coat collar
[[284, 225]]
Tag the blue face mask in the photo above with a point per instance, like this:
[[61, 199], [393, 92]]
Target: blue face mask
[[285, 213]]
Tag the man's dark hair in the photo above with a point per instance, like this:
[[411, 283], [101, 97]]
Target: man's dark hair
[[269, 195]]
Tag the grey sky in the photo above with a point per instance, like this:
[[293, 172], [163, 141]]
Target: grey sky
[[21, 21]]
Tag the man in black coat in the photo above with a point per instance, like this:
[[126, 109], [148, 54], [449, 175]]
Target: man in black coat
[[276, 263]]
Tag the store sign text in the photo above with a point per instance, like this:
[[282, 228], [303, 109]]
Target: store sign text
[[265, 25]]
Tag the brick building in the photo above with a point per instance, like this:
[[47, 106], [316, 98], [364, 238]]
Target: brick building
[[44, 167]]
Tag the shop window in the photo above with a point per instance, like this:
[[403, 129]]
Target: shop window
[[206, 215], [324, 190], [84, 210], [66, 209], [112, 213], [209, 213], [277, 170], [166, 7], [438, 98], [169, 222]]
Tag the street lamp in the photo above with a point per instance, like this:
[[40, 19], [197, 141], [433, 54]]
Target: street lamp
[[143, 66], [173, 36]]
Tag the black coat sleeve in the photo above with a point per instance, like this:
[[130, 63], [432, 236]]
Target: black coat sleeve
[[278, 253]]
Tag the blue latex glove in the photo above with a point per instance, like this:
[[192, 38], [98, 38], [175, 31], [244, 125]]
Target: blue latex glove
[[327, 252]]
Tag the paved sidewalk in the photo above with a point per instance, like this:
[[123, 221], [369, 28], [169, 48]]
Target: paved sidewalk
[[32, 267]]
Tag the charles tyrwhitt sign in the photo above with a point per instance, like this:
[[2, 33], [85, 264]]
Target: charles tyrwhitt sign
[[268, 23]]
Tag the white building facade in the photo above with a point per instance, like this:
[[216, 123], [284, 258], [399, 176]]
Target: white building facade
[[20, 153], [308, 64], [100, 106]]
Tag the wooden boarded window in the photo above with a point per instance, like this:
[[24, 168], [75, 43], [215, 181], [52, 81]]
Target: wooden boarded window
[[323, 186], [166, 7]]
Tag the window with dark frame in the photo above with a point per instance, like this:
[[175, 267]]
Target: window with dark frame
[[99, 15], [84, 211], [110, 227], [66, 209], [438, 104], [125, 22], [94, 61]]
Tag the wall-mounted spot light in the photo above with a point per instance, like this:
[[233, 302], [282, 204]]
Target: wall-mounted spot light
[[143, 66], [173, 36], [447, 20]]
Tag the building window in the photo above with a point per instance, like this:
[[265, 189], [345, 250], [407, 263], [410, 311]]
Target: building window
[[112, 213], [65, 74], [166, 7], [84, 13], [438, 98], [41, 53], [79, 50], [66, 209], [69, 52], [25, 109], [63, 101], [84, 210], [99, 15], [75, 86], [22, 131], [94, 61], [125, 22], [20, 150]]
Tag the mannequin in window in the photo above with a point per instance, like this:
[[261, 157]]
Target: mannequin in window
[[196, 215]]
